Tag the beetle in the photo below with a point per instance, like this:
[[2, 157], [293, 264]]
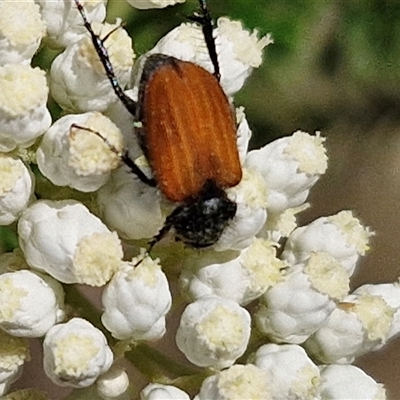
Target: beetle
[[188, 134]]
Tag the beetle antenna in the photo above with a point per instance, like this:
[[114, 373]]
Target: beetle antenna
[[102, 52], [204, 19]]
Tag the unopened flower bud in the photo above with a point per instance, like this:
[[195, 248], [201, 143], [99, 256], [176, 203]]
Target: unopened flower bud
[[65, 240], [19, 37], [75, 353], [213, 332], [20, 294], [156, 391], [25, 117], [137, 300], [290, 166], [237, 382], [80, 158]]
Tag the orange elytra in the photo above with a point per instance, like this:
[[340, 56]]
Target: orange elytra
[[189, 129]]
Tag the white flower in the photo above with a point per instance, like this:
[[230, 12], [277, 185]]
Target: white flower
[[281, 225], [69, 156], [292, 310], [23, 112], [290, 166], [360, 323], [250, 196], [75, 353], [65, 240], [349, 382], [146, 4], [375, 314], [340, 235], [64, 23], [243, 134], [237, 382], [156, 391], [242, 278], [294, 375], [137, 300], [113, 384], [14, 352], [78, 79], [339, 339], [20, 294], [213, 332], [130, 206], [182, 42], [390, 293], [16, 188], [239, 51], [21, 30]]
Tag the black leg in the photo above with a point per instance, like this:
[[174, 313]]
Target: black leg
[[101, 50], [205, 20], [169, 223], [160, 235], [136, 170], [123, 156]]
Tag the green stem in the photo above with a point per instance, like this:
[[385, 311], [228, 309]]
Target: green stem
[[85, 309], [161, 369], [154, 364], [257, 339]]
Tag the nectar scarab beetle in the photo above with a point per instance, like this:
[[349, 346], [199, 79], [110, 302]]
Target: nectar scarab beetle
[[188, 134]]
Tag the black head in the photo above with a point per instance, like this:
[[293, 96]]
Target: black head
[[200, 222]]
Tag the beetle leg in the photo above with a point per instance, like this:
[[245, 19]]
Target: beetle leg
[[123, 156], [169, 223], [136, 170], [160, 235], [205, 20], [102, 52]]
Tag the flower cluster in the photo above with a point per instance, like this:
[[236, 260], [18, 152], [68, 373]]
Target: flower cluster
[[269, 314]]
